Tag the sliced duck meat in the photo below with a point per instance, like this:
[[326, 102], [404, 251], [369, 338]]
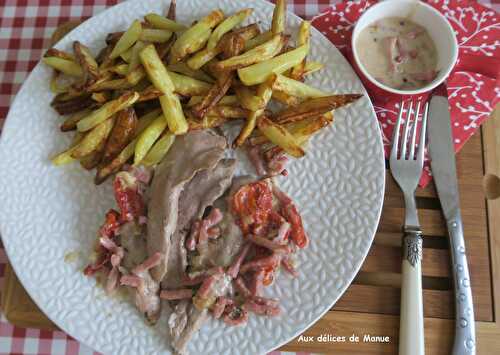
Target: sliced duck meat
[[198, 194], [144, 289], [189, 154]]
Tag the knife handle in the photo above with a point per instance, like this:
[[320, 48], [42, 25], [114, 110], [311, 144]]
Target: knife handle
[[411, 326], [465, 335]]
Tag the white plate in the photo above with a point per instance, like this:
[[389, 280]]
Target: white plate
[[47, 212]]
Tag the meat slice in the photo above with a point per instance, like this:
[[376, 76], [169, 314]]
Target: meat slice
[[190, 153], [146, 292], [183, 323], [199, 193]]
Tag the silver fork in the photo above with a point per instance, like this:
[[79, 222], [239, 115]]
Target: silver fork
[[406, 168]]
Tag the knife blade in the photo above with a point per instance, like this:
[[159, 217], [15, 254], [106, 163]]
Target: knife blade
[[444, 173]]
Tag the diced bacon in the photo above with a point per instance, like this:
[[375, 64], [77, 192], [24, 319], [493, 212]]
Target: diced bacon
[[149, 263], [255, 157], [236, 316], [111, 224], [130, 280], [272, 302], [257, 283], [277, 164], [107, 243], [269, 244], [234, 269], [116, 258], [213, 233], [297, 233], [289, 267], [187, 281], [220, 305], [268, 261], [127, 197], [171, 295], [214, 217], [112, 281], [141, 173], [283, 233], [261, 309], [207, 286], [242, 288], [191, 241]]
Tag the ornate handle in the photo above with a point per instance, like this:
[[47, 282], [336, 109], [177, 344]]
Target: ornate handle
[[411, 331], [465, 334]]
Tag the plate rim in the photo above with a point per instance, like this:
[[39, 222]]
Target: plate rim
[[381, 156]]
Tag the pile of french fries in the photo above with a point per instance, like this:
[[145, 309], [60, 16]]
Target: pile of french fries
[[159, 79]]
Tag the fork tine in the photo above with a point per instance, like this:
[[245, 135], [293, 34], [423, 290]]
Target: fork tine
[[404, 142], [423, 133], [395, 134], [414, 133]]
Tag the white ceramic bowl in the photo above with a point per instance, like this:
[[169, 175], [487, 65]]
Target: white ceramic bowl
[[428, 17]]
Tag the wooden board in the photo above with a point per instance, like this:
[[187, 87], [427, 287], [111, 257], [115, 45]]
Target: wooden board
[[371, 304]]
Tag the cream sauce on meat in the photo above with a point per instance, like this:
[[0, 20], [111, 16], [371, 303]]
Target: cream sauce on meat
[[398, 53]]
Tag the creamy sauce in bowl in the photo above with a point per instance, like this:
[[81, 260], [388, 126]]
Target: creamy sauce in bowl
[[398, 53]]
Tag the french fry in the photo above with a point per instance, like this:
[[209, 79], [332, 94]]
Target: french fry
[[148, 137], [120, 69], [258, 40], [113, 37], [135, 61], [164, 48], [314, 107], [227, 111], [127, 55], [69, 123], [258, 54], [155, 35], [117, 84], [247, 32], [232, 46], [187, 86], [202, 57], [279, 17], [301, 130], [207, 122], [127, 40], [149, 93], [92, 160], [100, 97], [65, 156], [65, 66], [183, 68], [194, 38], [146, 120], [54, 52], [258, 73], [122, 134], [73, 105], [159, 149], [228, 100], [160, 78], [107, 170], [214, 95], [93, 139], [296, 88], [227, 25], [264, 91], [279, 135], [164, 23], [248, 99], [303, 38], [171, 10], [87, 63], [136, 75], [107, 110], [54, 85], [285, 98], [312, 67]]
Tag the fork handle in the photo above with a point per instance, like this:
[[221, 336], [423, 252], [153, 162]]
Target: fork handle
[[411, 330]]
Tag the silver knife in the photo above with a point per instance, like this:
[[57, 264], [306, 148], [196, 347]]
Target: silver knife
[[445, 177]]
